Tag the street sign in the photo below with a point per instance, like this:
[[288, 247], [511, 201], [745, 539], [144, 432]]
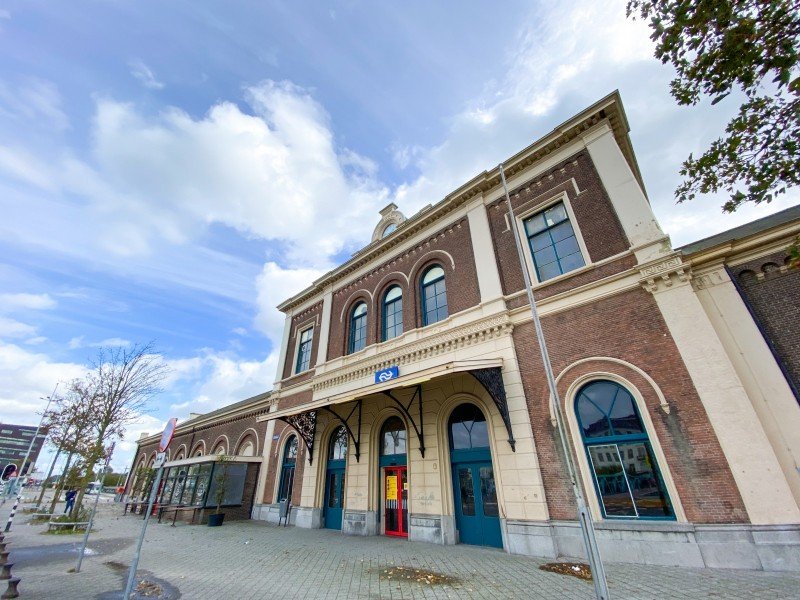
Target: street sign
[[166, 436], [387, 374], [161, 458]]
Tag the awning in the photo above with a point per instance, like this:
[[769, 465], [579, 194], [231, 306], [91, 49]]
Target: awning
[[304, 418]]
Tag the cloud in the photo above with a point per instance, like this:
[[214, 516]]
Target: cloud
[[145, 75], [35, 101], [9, 328], [15, 302]]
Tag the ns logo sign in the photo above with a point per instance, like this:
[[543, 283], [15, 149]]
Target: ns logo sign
[[385, 375]]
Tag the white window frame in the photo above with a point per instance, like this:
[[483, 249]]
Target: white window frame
[[301, 329], [541, 207]]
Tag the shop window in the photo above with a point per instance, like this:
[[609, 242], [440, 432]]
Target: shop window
[[434, 296], [304, 351], [358, 328], [234, 474], [624, 469], [554, 246], [392, 313], [287, 469]]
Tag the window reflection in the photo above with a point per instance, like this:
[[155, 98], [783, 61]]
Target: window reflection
[[394, 437]]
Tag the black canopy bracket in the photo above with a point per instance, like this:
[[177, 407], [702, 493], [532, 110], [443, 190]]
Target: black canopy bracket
[[305, 424], [492, 381], [406, 410], [345, 421]]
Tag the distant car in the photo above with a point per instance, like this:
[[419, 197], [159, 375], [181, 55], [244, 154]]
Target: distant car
[[94, 488]]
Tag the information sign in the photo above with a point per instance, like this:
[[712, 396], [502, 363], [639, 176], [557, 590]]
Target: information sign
[[166, 436], [391, 487], [385, 375]]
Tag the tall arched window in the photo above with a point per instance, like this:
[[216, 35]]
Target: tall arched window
[[434, 296], [338, 447], [358, 328], [287, 469], [393, 437], [392, 313], [623, 466], [468, 428]]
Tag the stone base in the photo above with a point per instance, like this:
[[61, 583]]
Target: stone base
[[742, 546], [360, 522], [308, 518], [271, 512], [437, 529]]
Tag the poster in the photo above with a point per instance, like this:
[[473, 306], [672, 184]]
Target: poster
[[391, 487]]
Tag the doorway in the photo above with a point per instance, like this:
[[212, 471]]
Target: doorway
[[334, 479], [395, 494]]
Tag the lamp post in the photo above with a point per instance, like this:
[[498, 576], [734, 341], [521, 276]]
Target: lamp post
[[25, 460], [584, 518]]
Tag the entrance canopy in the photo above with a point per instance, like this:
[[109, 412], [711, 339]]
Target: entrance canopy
[[347, 409]]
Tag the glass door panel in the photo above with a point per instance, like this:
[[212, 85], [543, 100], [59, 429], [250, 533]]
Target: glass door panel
[[395, 494]]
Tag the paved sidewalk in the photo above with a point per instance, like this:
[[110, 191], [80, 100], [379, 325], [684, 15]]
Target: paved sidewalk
[[251, 560]]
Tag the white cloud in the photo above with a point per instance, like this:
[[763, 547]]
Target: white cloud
[[145, 75], [15, 302], [36, 101], [9, 328]]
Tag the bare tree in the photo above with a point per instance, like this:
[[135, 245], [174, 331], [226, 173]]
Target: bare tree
[[122, 381]]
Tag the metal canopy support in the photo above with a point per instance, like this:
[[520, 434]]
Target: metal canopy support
[[344, 421], [305, 424], [406, 410], [492, 381]]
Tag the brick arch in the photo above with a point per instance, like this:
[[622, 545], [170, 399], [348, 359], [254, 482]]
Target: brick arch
[[391, 280], [361, 295], [428, 260], [200, 445], [248, 434], [181, 452], [221, 439]]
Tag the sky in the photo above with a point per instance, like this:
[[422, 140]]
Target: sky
[[171, 171]]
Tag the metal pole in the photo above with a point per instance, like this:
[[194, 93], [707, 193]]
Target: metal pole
[[27, 454], [94, 510], [584, 518], [135, 563]]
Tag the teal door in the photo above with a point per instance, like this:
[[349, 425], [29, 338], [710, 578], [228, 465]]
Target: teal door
[[334, 498], [334, 479], [477, 514], [474, 493]]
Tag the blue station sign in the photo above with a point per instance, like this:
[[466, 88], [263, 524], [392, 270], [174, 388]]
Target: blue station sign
[[385, 375]]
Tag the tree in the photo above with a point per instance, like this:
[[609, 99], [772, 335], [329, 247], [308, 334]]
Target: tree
[[722, 46], [122, 381]]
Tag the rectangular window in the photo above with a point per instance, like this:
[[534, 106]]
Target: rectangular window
[[304, 350], [553, 243]]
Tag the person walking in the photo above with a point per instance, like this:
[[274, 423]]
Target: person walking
[[70, 498]]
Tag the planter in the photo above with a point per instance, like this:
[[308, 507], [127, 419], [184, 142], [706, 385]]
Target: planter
[[215, 520]]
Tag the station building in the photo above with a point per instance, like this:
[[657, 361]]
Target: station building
[[411, 400]]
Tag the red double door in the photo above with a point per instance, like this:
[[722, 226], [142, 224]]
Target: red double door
[[395, 498]]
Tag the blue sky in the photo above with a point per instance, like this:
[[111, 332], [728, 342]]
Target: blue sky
[[171, 171]]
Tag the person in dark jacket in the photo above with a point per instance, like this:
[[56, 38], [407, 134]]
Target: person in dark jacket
[[70, 498]]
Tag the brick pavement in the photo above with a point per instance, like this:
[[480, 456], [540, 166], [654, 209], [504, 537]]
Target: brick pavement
[[251, 560]]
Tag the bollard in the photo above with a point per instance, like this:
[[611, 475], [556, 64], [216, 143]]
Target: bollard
[[11, 592], [6, 574]]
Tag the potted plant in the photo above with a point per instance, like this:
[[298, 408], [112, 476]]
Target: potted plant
[[220, 489]]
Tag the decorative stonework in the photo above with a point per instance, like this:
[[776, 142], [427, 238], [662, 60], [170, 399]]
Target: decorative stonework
[[430, 346], [661, 275], [389, 216]]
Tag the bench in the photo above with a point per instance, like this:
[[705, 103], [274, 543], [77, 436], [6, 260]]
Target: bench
[[40, 516], [176, 509], [136, 506], [56, 525]]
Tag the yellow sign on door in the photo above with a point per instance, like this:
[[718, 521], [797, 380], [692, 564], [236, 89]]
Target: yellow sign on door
[[391, 487]]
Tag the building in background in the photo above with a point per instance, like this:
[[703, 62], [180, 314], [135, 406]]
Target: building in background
[[411, 400], [14, 443]]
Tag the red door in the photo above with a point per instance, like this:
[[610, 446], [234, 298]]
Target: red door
[[395, 494]]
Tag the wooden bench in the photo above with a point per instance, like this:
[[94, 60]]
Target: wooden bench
[[176, 509], [55, 525]]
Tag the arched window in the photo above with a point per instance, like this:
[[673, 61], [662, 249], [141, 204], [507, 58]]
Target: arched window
[[392, 313], [390, 228], [393, 437], [287, 469], [434, 296], [358, 328], [468, 428], [623, 466], [247, 448], [338, 445]]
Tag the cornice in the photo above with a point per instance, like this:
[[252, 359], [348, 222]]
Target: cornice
[[458, 337], [663, 273], [608, 109]]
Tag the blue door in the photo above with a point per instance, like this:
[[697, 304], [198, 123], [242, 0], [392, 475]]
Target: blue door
[[334, 479], [474, 493]]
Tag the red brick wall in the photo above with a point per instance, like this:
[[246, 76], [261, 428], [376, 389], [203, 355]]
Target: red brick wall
[[772, 294], [602, 232], [462, 284], [630, 327], [301, 321]]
